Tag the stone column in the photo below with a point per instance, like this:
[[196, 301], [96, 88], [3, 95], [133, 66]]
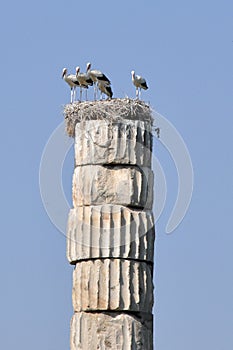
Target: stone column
[[110, 231]]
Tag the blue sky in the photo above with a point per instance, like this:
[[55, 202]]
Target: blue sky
[[185, 50]]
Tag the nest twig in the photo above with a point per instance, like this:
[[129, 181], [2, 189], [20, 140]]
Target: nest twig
[[110, 110]]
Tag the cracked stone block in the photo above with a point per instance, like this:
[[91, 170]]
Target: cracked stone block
[[121, 142], [108, 231], [123, 185], [112, 284], [113, 331]]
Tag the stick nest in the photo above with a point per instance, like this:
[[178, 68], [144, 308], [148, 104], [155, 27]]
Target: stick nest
[[109, 110]]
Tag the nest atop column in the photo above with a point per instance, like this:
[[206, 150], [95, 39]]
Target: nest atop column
[[109, 110]]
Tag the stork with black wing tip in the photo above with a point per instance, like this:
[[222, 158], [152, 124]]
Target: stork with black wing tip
[[139, 82], [97, 77], [105, 89], [84, 81], [72, 81]]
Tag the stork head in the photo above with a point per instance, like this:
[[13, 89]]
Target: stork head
[[88, 66], [133, 73], [64, 71]]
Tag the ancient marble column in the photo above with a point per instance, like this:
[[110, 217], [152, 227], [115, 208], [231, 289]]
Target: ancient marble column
[[110, 231]]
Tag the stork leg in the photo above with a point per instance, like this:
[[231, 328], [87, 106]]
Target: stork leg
[[71, 95], [74, 94], [81, 92], [95, 91], [86, 95], [139, 93], [136, 93]]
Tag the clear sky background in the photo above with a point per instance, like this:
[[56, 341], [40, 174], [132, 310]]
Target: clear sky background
[[185, 50]]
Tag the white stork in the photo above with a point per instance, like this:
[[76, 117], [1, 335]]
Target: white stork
[[105, 89], [97, 76], [72, 81], [84, 81], [139, 82]]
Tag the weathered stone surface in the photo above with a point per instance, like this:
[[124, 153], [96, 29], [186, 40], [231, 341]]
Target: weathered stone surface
[[110, 231], [112, 284], [105, 142], [115, 331], [124, 185]]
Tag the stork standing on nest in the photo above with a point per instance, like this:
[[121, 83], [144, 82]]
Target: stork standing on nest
[[84, 81], [72, 81], [104, 89], [139, 82], [97, 77]]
